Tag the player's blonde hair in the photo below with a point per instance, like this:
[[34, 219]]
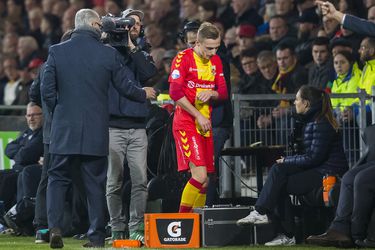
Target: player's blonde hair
[[207, 31]]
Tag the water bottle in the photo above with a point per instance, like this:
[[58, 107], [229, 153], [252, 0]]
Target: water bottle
[[328, 182]]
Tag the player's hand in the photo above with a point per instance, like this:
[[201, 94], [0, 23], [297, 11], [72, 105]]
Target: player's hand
[[150, 92], [205, 96], [204, 123]]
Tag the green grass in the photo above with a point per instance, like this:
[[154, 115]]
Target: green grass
[[18, 243]]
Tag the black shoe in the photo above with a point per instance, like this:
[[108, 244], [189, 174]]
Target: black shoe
[[93, 245], [55, 238], [366, 243], [331, 238], [10, 220]]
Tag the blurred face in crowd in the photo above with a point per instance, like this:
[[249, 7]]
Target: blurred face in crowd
[[301, 104], [283, 7], [10, 69], [278, 29], [268, 68], [10, 43], [111, 7], [245, 43], [249, 65], [365, 51], [190, 8], [204, 15], [230, 37], [154, 35], [47, 5], [240, 6], [207, 48], [34, 117], [285, 59], [371, 14], [136, 29], [339, 48], [191, 38], [304, 30], [341, 64], [320, 54], [330, 25]]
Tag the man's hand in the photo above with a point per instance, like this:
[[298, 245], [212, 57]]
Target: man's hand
[[329, 10], [150, 92], [206, 95], [204, 123]]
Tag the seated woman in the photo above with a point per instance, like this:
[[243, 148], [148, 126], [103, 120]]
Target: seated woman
[[300, 174]]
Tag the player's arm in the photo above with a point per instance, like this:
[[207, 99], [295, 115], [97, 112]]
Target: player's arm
[[176, 93]]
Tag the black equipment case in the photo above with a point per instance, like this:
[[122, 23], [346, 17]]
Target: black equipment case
[[219, 228]]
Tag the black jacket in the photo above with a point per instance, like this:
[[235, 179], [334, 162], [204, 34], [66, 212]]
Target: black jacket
[[125, 113], [322, 146], [36, 97], [27, 148]]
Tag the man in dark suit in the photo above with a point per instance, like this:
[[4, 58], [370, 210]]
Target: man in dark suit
[[75, 88]]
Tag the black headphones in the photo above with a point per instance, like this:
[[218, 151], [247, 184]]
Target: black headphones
[[189, 26]]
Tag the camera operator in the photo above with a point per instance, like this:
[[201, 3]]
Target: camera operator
[[128, 139]]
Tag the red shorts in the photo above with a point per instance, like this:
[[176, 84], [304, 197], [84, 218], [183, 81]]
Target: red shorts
[[195, 148]]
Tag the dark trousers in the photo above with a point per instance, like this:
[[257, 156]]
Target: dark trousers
[[220, 136], [282, 181], [93, 171], [40, 219], [28, 180], [356, 201]]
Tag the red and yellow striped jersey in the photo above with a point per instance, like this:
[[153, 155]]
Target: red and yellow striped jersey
[[195, 74]]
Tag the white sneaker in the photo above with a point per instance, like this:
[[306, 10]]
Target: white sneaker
[[254, 218], [281, 240]]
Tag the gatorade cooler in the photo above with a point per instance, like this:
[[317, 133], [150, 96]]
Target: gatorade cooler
[[172, 230]]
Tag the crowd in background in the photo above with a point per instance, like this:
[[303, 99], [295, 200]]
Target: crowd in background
[[252, 30]]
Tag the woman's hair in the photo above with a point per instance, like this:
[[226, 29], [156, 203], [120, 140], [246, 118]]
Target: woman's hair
[[314, 96], [348, 55]]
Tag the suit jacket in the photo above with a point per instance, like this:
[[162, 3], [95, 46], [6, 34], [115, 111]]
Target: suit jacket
[[358, 25], [75, 88]]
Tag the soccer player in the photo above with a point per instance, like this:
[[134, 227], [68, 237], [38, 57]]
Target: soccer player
[[196, 79]]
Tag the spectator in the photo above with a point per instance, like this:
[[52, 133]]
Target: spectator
[[300, 174], [347, 80], [190, 11], [10, 66], [50, 28], [27, 50], [308, 26], [26, 151], [279, 31], [207, 11], [321, 71], [245, 11], [286, 9]]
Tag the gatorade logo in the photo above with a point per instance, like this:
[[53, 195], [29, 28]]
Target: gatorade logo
[[174, 229]]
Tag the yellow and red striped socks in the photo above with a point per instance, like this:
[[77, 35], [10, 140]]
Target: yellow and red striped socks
[[190, 195]]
